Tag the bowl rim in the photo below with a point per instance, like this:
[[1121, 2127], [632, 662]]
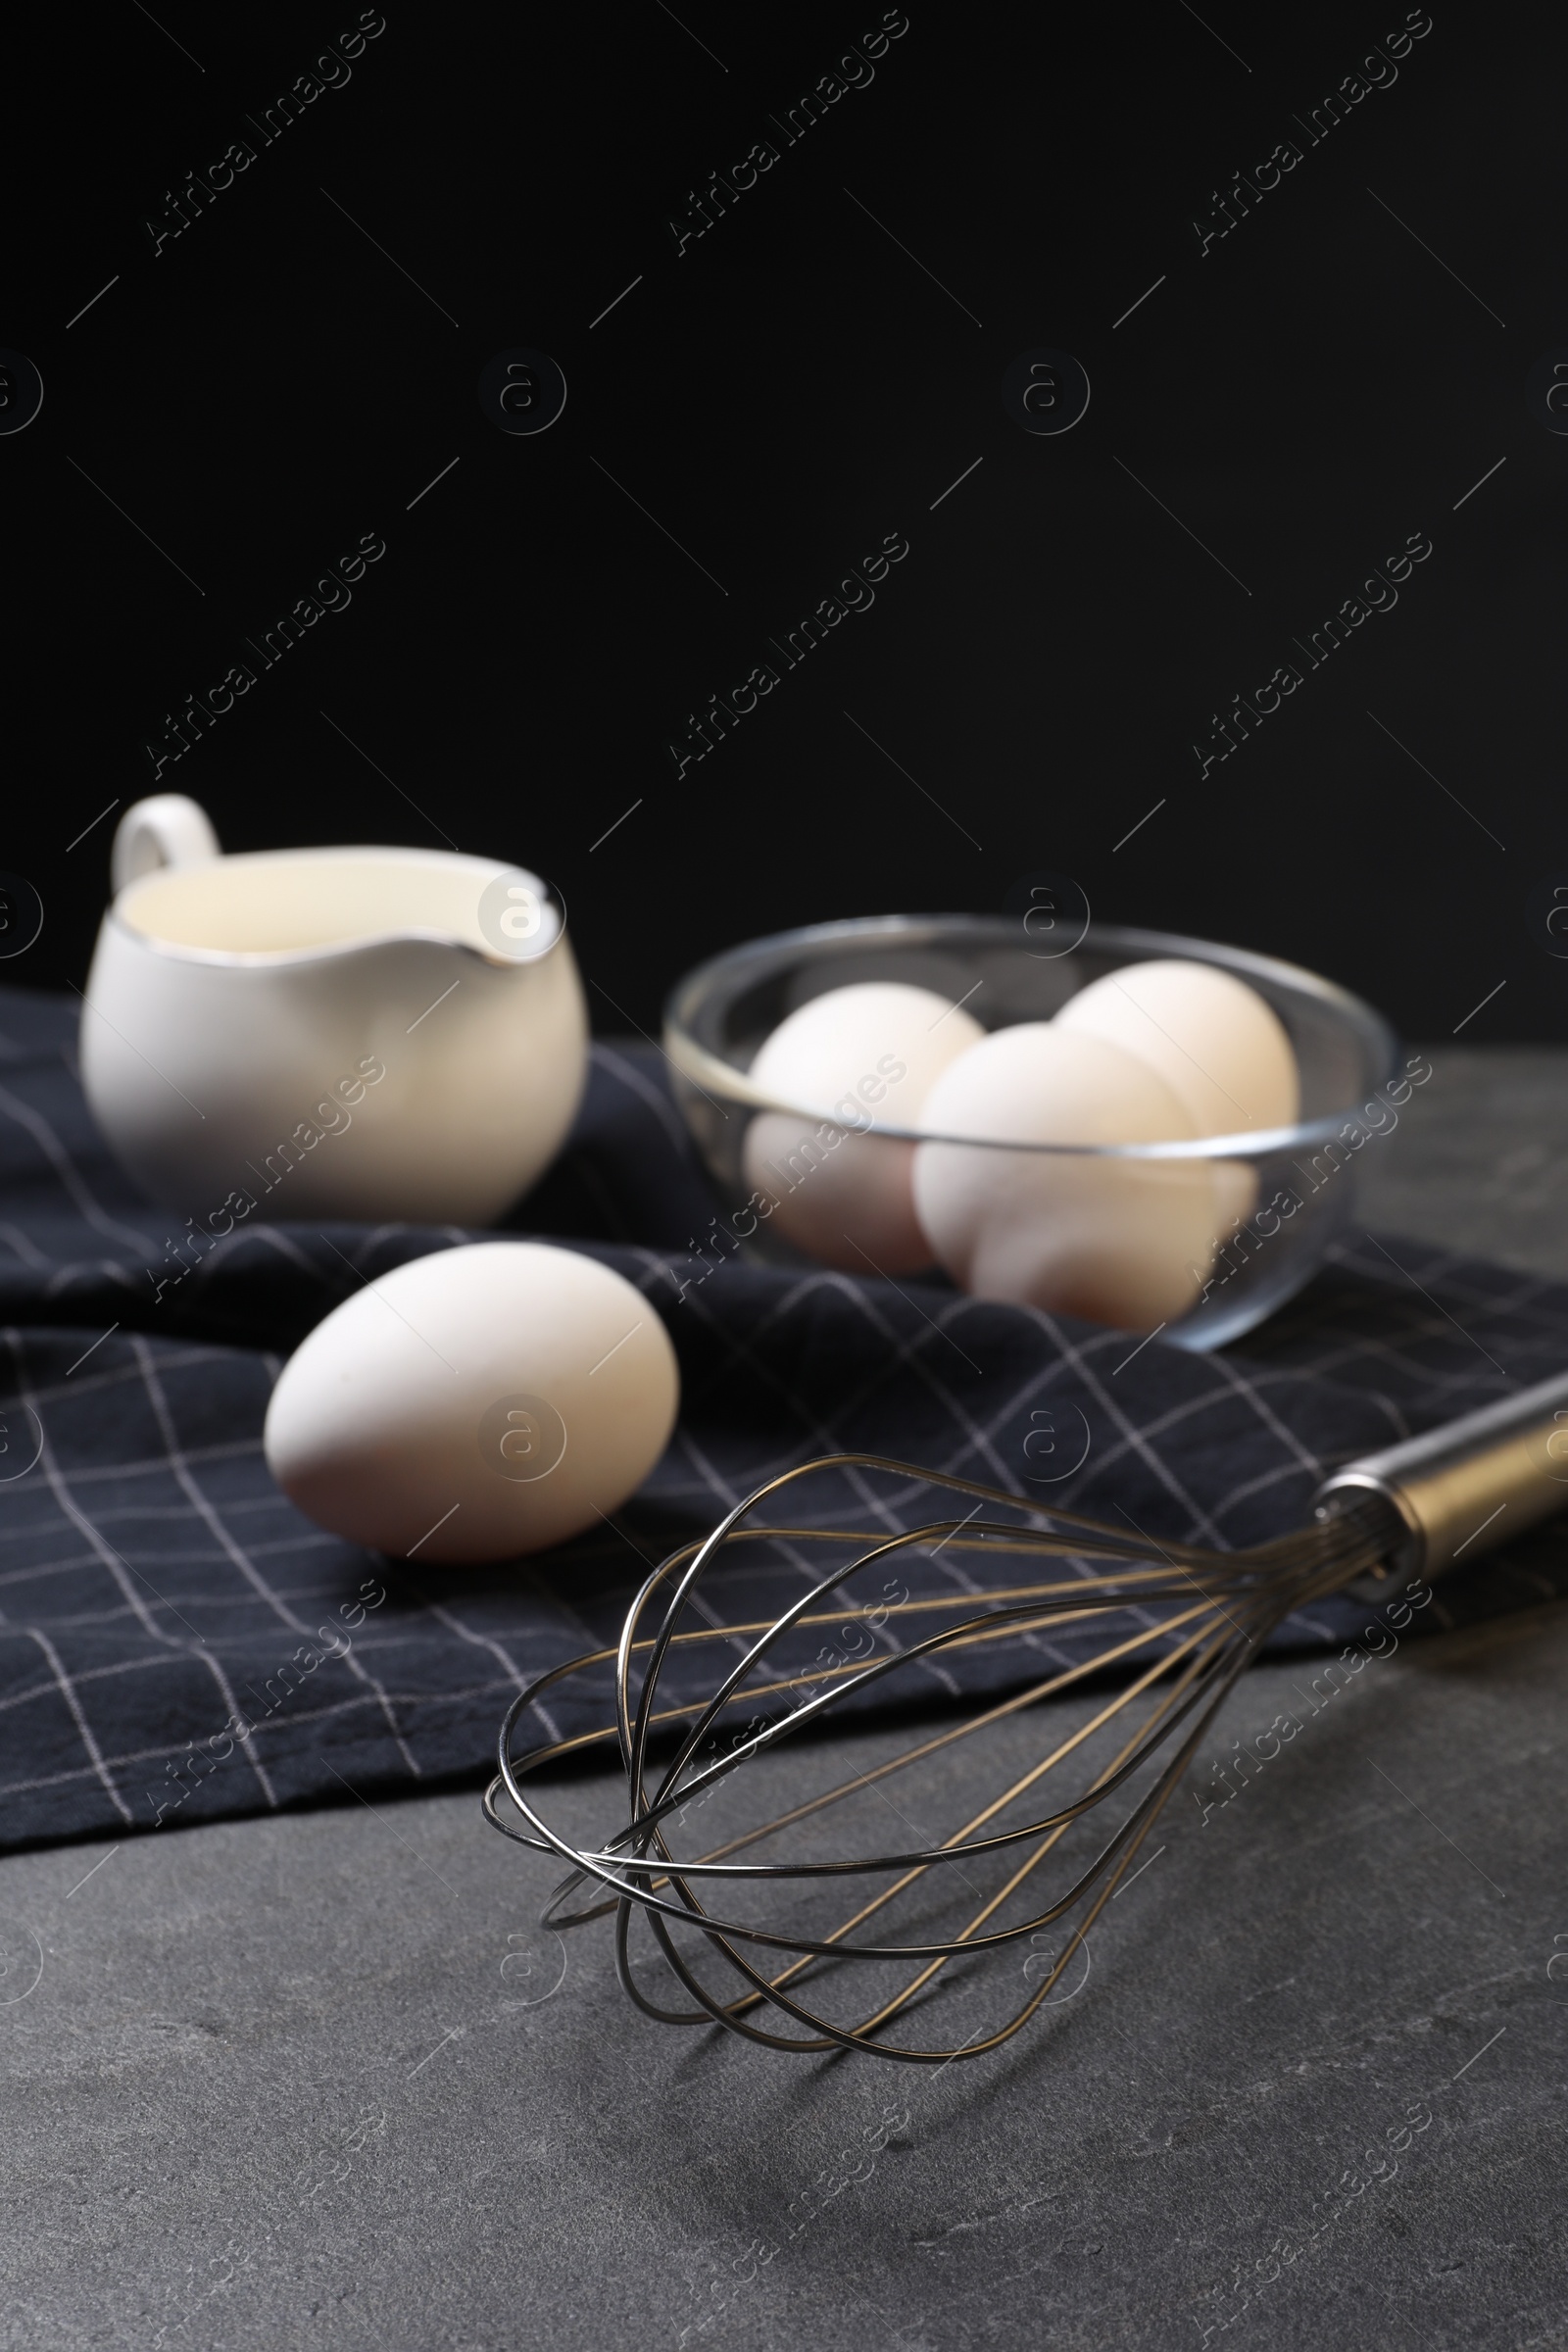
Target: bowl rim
[[751, 958]]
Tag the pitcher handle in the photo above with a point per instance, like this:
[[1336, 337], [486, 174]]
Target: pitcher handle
[[166, 830]]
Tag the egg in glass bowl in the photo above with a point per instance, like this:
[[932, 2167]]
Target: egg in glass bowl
[[1146, 1131]]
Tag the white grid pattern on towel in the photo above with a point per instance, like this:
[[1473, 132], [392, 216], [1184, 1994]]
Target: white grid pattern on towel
[[152, 1637]]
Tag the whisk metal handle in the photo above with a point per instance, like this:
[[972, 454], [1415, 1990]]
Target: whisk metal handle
[[1466, 1487]]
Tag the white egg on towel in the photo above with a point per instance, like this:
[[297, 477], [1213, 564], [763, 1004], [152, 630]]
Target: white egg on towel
[[850, 1061], [475, 1403], [1126, 1241]]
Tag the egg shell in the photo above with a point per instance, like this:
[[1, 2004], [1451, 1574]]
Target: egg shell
[[475, 1404], [1220, 1048], [1122, 1242], [857, 1056]]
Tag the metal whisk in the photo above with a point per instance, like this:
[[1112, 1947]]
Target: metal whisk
[[1178, 1622]]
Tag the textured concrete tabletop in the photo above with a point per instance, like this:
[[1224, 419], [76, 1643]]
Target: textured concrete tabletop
[[320, 2079]]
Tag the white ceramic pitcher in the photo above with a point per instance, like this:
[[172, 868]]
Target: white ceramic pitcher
[[356, 1033]]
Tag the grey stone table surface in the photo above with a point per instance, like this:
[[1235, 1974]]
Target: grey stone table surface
[[321, 2079]]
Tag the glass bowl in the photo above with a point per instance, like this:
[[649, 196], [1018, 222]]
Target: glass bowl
[[1277, 1198]]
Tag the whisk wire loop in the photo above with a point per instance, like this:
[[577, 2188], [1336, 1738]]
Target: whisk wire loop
[[1203, 1613]]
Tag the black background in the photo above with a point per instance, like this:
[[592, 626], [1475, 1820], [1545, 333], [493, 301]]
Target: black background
[[781, 395]]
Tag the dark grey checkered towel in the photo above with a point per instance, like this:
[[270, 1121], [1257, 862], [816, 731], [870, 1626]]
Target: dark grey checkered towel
[[160, 1602]]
